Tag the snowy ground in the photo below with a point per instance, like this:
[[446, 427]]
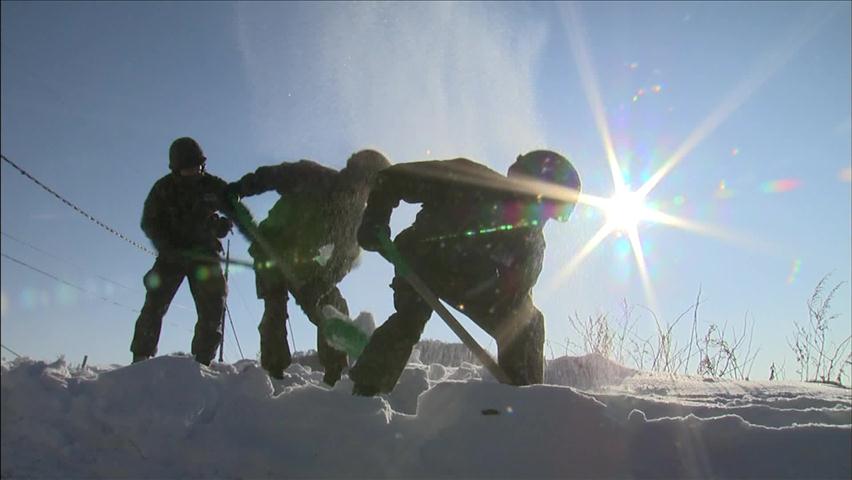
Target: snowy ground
[[172, 418]]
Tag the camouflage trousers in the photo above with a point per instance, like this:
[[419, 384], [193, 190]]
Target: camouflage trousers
[[208, 288], [275, 291], [515, 323]]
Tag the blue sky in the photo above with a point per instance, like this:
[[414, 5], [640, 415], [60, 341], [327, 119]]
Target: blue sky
[[757, 96]]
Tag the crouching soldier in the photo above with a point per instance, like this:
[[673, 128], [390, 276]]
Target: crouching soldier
[[306, 246], [477, 243], [180, 219]]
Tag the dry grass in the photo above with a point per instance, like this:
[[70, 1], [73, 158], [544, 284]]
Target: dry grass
[[817, 358], [721, 352]]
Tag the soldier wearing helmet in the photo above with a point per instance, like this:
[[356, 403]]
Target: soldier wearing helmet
[[477, 242], [305, 247], [180, 219]]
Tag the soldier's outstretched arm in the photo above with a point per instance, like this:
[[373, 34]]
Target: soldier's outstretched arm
[[264, 179], [238, 213], [229, 204], [375, 223], [402, 182]]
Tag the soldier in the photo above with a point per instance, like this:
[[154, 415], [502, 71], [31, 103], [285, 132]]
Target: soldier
[[305, 247], [477, 242], [180, 219]]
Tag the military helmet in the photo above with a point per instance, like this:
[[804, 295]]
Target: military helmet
[[550, 167], [365, 164], [185, 152]]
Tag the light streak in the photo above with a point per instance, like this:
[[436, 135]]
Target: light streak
[[626, 209]]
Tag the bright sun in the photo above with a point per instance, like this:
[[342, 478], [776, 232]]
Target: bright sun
[[625, 210]]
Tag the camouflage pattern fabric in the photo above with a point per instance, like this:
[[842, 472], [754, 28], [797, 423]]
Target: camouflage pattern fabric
[[312, 230], [180, 219], [477, 242]]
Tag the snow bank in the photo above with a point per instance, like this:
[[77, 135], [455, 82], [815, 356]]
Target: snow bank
[[169, 417]]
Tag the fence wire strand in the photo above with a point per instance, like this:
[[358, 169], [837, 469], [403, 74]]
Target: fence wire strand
[[105, 227], [65, 282], [76, 208]]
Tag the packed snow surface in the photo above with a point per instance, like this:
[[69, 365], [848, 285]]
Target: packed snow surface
[[170, 417]]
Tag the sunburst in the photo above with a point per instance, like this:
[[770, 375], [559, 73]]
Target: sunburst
[[626, 210]]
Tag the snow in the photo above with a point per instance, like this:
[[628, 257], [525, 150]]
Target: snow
[[170, 417]]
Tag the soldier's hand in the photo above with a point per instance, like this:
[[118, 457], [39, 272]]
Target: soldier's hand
[[372, 236], [221, 226], [232, 191]]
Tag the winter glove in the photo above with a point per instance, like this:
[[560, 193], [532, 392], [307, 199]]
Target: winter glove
[[372, 236]]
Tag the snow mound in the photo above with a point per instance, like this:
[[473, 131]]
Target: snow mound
[[586, 372], [437, 352], [170, 417]]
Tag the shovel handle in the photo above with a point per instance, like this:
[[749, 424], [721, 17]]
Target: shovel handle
[[390, 252]]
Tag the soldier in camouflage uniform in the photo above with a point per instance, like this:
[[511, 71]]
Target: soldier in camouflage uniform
[[180, 219], [305, 247], [477, 242]]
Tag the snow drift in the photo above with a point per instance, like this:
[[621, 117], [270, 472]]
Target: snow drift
[[170, 417]]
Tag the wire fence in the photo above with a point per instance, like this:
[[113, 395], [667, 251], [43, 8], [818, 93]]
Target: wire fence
[[101, 224], [66, 282], [76, 208], [16, 354]]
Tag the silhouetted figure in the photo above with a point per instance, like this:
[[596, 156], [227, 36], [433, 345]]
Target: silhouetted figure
[[305, 247], [477, 242], [180, 219]]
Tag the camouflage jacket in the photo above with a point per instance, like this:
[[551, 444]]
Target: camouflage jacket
[[470, 214], [180, 213], [315, 221]]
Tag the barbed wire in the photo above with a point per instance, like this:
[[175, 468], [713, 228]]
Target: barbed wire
[[73, 264], [17, 355], [65, 282], [107, 228], [78, 209], [69, 262]]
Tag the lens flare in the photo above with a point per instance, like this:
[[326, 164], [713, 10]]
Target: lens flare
[[794, 271], [758, 75], [202, 273], [4, 303], [642, 91], [44, 299], [65, 295], [626, 209], [845, 175], [622, 248], [735, 151], [780, 186], [723, 192], [153, 281]]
